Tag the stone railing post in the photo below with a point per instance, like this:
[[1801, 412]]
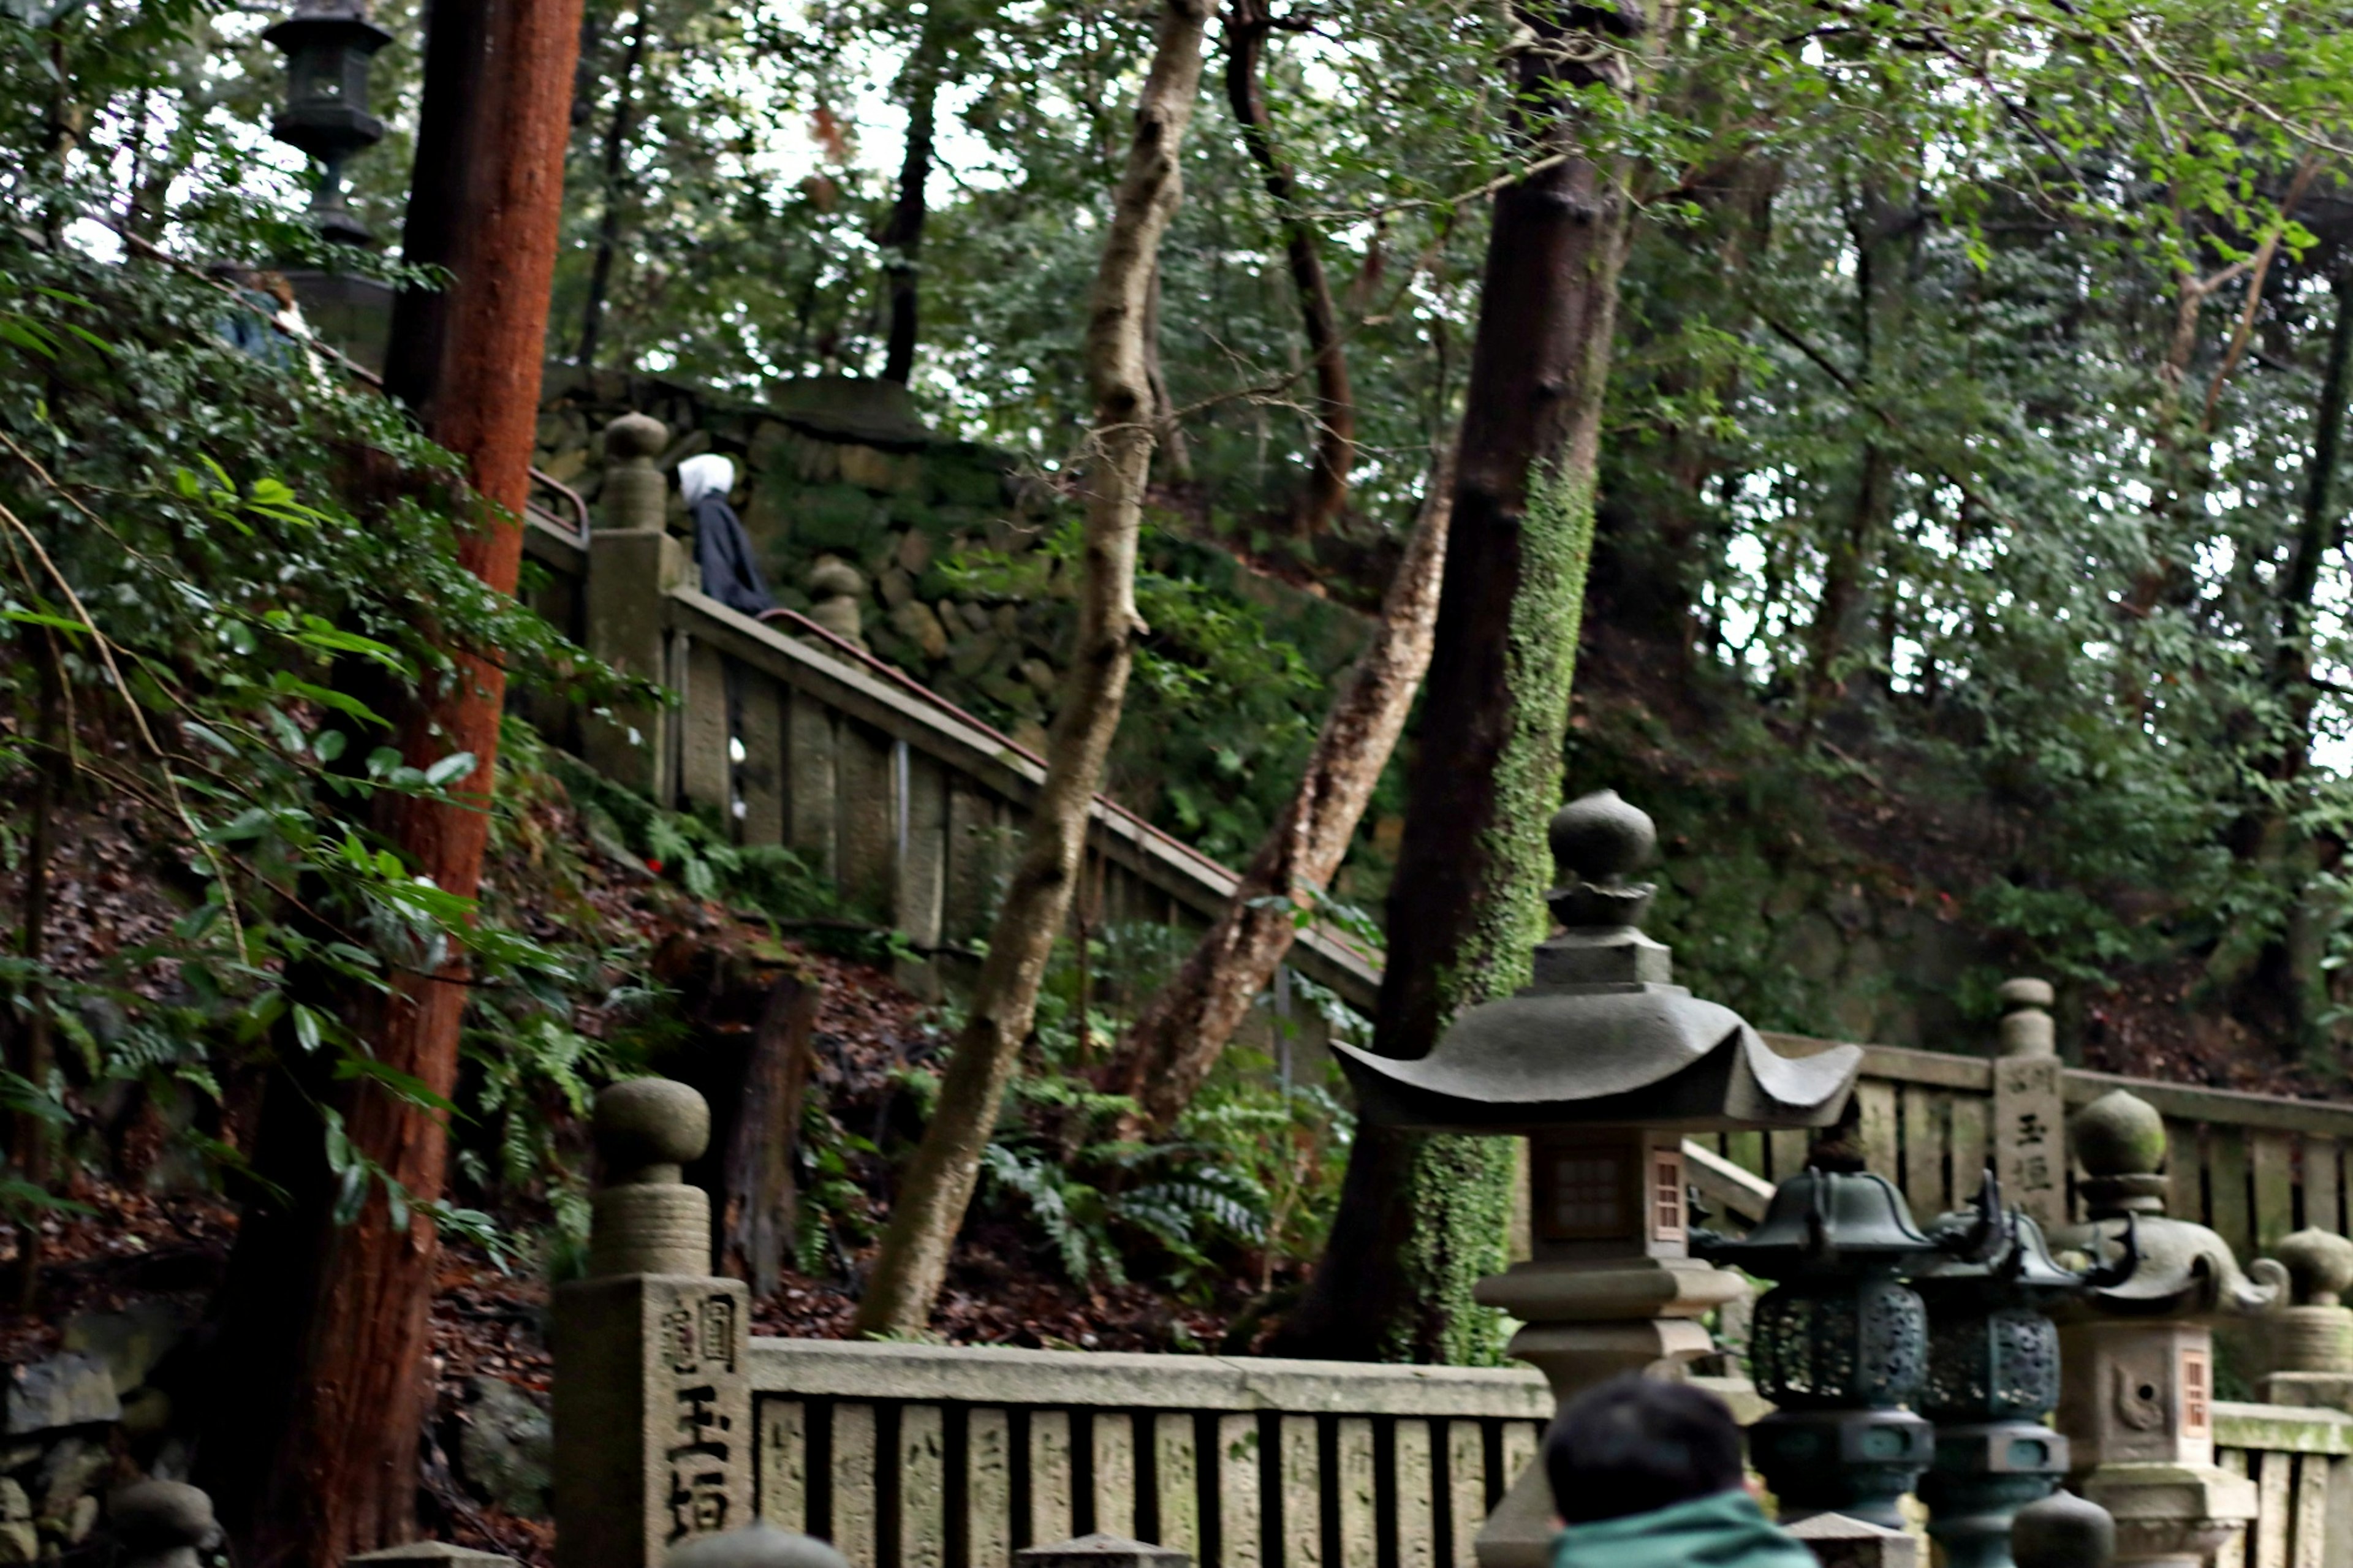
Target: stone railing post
[[2030, 1145], [633, 560], [2312, 1363], [653, 1403]]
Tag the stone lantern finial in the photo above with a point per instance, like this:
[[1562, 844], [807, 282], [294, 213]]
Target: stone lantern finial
[[2120, 1140]]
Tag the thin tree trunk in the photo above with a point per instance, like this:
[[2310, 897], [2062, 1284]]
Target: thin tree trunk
[[2315, 536], [608, 224], [1248, 22], [902, 235], [1176, 453], [2279, 987], [1421, 1217], [325, 1325], [934, 1195], [1177, 1040]]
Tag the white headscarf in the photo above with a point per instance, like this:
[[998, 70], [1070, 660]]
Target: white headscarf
[[709, 474]]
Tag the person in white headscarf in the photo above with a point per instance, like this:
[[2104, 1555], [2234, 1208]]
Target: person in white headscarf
[[722, 552]]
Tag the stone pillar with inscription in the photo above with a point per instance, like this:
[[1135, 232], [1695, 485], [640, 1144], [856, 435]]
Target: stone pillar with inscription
[[2137, 1351], [653, 1403], [1605, 1065], [2028, 1110]]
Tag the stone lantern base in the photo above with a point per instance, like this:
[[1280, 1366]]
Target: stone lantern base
[[2171, 1516], [1579, 1331]]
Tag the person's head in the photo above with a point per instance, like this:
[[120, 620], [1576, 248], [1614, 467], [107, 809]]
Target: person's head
[[1633, 1445], [708, 474]]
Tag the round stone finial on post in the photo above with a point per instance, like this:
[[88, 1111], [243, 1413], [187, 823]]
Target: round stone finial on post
[[1598, 841], [635, 494], [649, 1126], [163, 1524], [2315, 1335], [647, 1220], [2120, 1140], [2026, 1026], [758, 1544], [839, 590], [2062, 1531]]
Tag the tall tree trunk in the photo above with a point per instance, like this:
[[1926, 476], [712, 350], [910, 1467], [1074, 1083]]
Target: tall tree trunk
[[1421, 1217], [608, 222], [937, 1187], [2279, 987], [315, 1453], [1654, 513], [902, 237], [1248, 22], [1181, 1033], [1887, 241]]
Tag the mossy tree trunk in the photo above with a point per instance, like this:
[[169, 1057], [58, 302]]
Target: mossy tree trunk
[[937, 1187], [1422, 1217]]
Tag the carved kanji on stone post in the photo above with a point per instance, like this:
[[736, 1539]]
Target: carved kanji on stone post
[[653, 1403], [2028, 1110]]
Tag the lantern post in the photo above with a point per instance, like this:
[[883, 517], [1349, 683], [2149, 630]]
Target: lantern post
[[1605, 1065]]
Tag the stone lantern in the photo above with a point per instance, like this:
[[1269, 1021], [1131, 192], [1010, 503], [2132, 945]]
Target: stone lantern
[[2138, 1349], [1604, 1064], [2313, 1363], [328, 45], [1993, 1375], [1840, 1343]]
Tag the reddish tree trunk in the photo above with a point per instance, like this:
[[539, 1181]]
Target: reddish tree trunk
[[321, 1460]]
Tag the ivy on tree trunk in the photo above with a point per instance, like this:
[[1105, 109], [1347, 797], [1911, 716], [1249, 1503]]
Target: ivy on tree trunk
[[1422, 1217]]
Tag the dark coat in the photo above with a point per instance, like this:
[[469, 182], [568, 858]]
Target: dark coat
[[723, 553]]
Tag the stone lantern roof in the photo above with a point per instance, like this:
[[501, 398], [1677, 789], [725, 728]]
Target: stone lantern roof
[[1602, 1038]]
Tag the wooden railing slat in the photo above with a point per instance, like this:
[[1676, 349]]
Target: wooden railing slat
[[2273, 1157], [1358, 1494], [1238, 1510], [2322, 1201], [857, 1465], [1413, 1480], [1875, 1100], [1176, 1478], [1112, 1439], [2228, 1188], [922, 1489], [809, 782], [762, 773], [988, 1487], [1923, 1140]]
